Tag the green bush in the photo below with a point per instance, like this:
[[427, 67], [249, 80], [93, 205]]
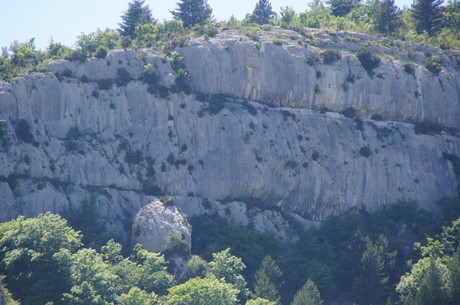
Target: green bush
[[78, 55], [123, 77], [350, 112], [408, 68], [277, 42], [315, 156], [365, 151], [183, 81], [330, 56], [150, 75], [176, 245], [368, 60], [377, 117], [4, 133], [167, 201], [176, 61], [433, 64], [72, 144], [23, 132], [101, 53]]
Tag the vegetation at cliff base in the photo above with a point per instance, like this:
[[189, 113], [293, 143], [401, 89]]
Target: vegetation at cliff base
[[361, 258]]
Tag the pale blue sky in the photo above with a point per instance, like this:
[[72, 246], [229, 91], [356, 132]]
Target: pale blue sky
[[64, 20]]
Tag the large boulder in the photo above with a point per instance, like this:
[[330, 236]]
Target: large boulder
[[159, 226]]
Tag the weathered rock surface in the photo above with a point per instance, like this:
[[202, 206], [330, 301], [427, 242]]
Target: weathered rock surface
[[92, 131], [293, 75], [155, 223], [2, 294]]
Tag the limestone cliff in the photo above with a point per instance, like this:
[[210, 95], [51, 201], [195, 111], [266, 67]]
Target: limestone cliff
[[249, 142]]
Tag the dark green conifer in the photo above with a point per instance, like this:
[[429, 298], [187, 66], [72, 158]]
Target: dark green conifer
[[427, 16], [137, 13], [308, 295], [193, 12], [262, 12], [386, 17], [268, 279], [342, 7]]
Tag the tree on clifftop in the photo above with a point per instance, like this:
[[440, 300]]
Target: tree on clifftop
[[193, 12], [342, 7], [427, 16], [262, 12], [386, 17], [136, 14]]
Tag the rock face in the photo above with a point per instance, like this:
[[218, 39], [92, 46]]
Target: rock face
[[305, 77], [156, 223], [2, 294], [254, 140]]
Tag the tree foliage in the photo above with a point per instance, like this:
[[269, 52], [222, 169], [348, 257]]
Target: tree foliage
[[137, 14], [202, 291], [386, 17], [93, 283], [427, 16], [377, 262], [193, 12], [268, 280], [260, 301], [31, 248], [342, 7], [228, 268], [262, 12], [434, 279], [308, 295], [136, 296]]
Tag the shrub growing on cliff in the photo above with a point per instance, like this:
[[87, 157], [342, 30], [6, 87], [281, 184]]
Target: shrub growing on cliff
[[182, 76], [123, 77], [101, 53], [24, 133], [151, 77], [408, 68], [176, 245], [433, 64], [330, 57], [368, 60], [365, 151]]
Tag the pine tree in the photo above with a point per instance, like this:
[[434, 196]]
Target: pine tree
[[262, 12], [386, 17], [193, 12], [377, 261], [136, 14], [308, 295], [342, 7], [427, 16], [434, 288], [268, 279]]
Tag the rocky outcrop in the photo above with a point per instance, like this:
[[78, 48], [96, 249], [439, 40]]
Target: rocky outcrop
[[249, 142], [157, 226], [283, 69]]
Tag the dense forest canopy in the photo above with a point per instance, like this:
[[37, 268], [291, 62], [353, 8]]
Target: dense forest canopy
[[361, 258]]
